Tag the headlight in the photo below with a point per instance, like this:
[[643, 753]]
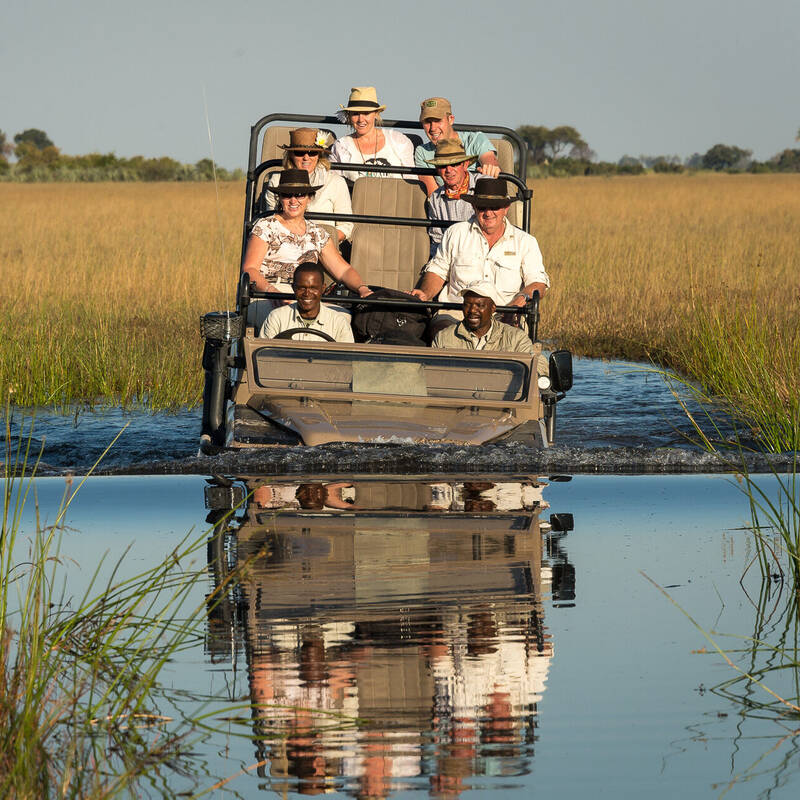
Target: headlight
[[544, 382]]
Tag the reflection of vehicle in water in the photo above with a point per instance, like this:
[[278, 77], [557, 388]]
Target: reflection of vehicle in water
[[265, 391], [393, 630]]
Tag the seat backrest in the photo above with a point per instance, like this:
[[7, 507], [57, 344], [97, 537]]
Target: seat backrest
[[389, 255], [505, 156]]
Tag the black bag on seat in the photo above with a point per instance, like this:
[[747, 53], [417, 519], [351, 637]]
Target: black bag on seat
[[390, 324]]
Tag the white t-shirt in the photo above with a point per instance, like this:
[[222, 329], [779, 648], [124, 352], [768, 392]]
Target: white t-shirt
[[397, 151]]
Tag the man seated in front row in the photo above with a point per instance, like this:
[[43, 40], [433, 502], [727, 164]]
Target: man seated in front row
[[437, 119], [479, 329], [308, 311]]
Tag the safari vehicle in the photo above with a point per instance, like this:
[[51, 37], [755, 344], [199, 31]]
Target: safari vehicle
[[278, 391]]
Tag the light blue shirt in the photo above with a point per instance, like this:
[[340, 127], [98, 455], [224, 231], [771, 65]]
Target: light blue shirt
[[476, 143]]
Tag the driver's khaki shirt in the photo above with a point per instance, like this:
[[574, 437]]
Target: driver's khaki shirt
[[464, 258], [334, 322]]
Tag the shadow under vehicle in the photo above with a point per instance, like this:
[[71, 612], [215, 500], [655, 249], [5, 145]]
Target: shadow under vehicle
[[278, 391], [393, 630]]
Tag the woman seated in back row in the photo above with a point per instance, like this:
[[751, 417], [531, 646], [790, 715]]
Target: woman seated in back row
[[279, 243], [369, 143], [308, 150]]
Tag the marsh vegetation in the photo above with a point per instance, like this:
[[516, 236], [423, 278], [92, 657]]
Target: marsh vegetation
[[103, 285]]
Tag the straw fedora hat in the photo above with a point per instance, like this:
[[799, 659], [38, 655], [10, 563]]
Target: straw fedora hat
[[295, 181], [307, 139], [363, 98], [489, 193], [450, 151]]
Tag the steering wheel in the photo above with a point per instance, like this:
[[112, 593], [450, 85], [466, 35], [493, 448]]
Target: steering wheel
[[289, 332]]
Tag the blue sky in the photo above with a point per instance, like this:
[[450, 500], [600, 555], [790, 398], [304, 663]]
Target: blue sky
[[633, 77]]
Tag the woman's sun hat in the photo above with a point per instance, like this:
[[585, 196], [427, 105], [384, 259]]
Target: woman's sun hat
[[307, 139], [363, 98]]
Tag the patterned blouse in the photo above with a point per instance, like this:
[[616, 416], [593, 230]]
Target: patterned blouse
[[285, 250]]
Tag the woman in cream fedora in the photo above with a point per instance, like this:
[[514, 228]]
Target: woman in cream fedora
[[308, 149], [369, 143]]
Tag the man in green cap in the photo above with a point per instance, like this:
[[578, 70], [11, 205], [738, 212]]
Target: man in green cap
[[436, 116]]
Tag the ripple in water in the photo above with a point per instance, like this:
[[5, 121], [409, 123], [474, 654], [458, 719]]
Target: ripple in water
[[619, 417]]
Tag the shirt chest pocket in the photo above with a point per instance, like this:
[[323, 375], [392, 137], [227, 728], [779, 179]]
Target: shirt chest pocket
[[508, 275], [467, 270]]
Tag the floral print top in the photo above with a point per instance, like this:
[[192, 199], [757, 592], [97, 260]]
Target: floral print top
[[285, 250]]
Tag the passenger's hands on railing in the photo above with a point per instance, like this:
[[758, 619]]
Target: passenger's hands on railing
[[418, 293], [364, 290], [489, 170]]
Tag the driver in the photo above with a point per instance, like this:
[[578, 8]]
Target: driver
[[307, 311]]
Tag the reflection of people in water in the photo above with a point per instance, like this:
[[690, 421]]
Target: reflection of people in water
[[487, 496], [364, 652], [316, 496], [307, 496]]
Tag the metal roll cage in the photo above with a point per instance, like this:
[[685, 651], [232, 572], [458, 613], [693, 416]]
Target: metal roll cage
[[255, 170]]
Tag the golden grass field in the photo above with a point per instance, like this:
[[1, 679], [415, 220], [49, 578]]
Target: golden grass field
[[103, 284]]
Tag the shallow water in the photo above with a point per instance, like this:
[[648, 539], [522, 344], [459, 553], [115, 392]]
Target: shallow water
[[619, 417], [433, 635]]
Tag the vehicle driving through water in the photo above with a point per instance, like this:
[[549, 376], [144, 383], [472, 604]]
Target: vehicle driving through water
[[261, 391]]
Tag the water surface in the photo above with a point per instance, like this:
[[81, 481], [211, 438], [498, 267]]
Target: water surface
[[437, 636], [619, 417]]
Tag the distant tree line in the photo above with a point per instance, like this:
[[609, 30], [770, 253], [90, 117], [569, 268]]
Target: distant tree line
[[562, 151], [36, 158]]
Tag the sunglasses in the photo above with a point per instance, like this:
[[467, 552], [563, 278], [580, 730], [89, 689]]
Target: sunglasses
[[302, 153], [295, 194]]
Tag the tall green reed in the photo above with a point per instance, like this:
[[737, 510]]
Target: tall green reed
[[80, 699]]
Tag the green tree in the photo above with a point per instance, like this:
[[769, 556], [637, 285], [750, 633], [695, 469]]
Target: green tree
[[205, 168], [30, 156], [537, 139], [561, 138], [549, 144], [787, 161], [725, 156], [6, 148], [39, 139]]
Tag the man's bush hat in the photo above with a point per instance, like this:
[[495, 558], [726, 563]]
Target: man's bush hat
[[434, 108], [450, 151], [295, 181], [489, 193], [363, 98], [307, 139]]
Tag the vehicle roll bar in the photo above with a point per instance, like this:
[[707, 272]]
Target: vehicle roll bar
[[530, 310]]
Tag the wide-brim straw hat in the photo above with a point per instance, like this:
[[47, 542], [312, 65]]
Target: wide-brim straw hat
[[307, 139], [450, 151], [363, 98], [295, 181], [489, 193], [482, 289]]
